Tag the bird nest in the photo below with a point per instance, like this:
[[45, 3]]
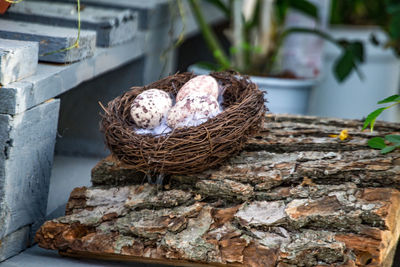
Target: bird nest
[[192, 149]]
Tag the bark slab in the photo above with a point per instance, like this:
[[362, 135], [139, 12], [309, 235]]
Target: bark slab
[[293, 197]]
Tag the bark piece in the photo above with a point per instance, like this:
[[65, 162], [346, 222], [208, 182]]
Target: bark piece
[[304, 231], [281, 204], [111, 172]]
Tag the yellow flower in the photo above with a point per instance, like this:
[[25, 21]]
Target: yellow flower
[[344, 134]]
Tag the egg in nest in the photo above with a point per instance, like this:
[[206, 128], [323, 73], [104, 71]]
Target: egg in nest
[[202, 84], [192, 111], [150, 107]]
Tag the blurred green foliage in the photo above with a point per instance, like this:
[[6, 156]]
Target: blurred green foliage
[[256, 63], [382, 13], [391, 141]]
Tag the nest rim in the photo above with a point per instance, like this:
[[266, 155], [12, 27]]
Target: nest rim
[[185, 150]]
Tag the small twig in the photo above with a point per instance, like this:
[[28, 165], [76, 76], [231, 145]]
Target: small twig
[[76, 43], [105, 110]]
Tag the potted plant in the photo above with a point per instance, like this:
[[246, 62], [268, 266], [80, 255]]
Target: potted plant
[[257, 33], [377, 25]]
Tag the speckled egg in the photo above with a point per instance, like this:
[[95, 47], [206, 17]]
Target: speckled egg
[[202, 84], [192, 111], [149, 108]]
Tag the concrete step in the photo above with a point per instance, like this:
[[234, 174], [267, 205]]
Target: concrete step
[[152, 13], [18, 59], [51, 80], [113, 26], [27, 144], [39, 257], [51, 39]]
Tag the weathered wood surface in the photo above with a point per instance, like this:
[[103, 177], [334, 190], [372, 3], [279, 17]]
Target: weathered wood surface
[[26, 154], [113, 26], [281, 202], [50, 39], [18, 60]]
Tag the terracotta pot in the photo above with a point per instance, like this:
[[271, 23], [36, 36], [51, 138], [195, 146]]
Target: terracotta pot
[[4, 6]]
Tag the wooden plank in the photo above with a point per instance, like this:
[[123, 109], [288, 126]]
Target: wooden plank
[[27, 146], [291, 135], [51, 39], [334, 207], [18, 60], [346, 225], [152, 13], [113, 26], [51, 80]]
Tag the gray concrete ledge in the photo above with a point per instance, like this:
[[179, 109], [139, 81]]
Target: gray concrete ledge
[[152, 13], [18, 59], [38, 257], [50, 39], [113, 26], [52, 80]]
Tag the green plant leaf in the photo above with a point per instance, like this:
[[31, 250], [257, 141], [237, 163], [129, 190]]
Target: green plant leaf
[[343, 66], [393, 8], [394, 29], [377, 142], [233, 50], [388, 149], [357, 49], [305, 7], [253, 22], [393, 138], [352, 55], [371, 118], [281, 10], [393, 98], [374, 39]]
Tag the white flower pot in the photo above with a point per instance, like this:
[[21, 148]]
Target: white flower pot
[[355, 98], [283, 95]]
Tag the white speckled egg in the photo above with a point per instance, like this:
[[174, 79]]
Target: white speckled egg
[[149, 108], [192, 111], [202, 84]]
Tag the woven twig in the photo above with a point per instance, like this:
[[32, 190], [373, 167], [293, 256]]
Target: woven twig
[[186, 150]]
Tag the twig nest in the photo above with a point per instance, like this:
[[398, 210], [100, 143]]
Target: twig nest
[[150, 107], [186, 150], [202, 84], [192, 111]]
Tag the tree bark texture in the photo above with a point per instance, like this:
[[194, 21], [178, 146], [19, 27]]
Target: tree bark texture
[[293, 197]]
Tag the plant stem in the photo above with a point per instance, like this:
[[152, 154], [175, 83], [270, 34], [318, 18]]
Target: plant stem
[[76, 43], [238, 57], [209, 36]]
